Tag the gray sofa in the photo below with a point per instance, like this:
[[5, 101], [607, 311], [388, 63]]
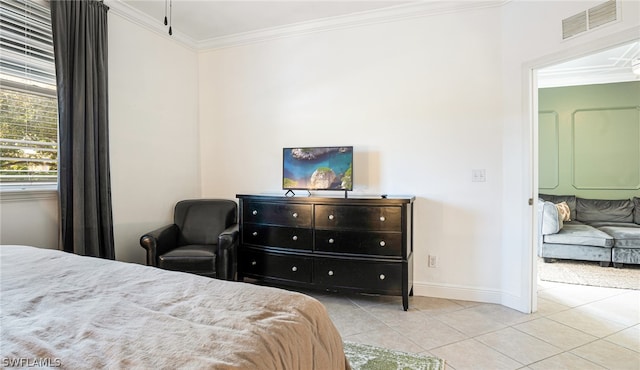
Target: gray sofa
[[607, 231]]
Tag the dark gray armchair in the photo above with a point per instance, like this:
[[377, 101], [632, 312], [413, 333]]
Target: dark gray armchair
[[202, 240]]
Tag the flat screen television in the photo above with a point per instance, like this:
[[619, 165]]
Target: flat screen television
[[317, 168]]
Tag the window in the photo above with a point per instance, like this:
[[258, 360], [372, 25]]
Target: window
[[28, 102]]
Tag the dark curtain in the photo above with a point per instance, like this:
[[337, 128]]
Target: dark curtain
[[80, 49]]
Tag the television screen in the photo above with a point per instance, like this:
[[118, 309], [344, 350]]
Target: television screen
[[318, 168]]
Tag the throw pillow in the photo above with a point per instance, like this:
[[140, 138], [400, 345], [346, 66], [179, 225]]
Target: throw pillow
[[564, 211]]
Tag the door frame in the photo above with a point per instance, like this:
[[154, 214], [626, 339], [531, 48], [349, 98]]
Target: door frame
[[529, 73]]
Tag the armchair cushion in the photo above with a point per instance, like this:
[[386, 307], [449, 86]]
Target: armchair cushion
[[201, 221], [199, 259]]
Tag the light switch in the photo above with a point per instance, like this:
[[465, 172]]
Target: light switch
[[478, 175]]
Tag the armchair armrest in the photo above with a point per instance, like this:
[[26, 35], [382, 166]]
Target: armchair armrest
[[227, 256], [228, 237], [158, 242]]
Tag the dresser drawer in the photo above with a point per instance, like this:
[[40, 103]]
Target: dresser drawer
[[369, 276], [358, 218], [296, 215], [277, 236], [278, 266], [374, 243]]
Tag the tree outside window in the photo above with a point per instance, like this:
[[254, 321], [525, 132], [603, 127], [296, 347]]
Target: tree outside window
[[28, 138]]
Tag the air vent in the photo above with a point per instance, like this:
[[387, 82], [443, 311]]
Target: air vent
[[574, 25], [601, 14], [589, 19]]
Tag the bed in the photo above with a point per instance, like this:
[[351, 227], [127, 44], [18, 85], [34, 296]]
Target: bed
[[62, 310]]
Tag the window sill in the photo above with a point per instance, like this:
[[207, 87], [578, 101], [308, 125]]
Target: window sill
[[10, 193]]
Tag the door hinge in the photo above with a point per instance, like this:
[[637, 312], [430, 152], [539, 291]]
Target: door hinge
[[530, 201]]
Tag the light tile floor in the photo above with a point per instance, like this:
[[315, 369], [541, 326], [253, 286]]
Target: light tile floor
[[575, 327]]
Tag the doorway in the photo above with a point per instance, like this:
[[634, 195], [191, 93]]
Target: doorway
[[608, 61]]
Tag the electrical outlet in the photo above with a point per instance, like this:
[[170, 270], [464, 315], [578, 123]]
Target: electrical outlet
[[433, 261]]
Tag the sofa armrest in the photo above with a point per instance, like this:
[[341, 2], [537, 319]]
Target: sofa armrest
[[549, 219], [227, 256], [158, 242]]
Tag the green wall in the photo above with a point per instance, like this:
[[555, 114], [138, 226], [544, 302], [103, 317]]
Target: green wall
[[589, 140]]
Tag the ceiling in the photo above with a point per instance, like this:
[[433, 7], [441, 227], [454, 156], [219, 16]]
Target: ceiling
[[607, 66], [203, 24], [202, 20]]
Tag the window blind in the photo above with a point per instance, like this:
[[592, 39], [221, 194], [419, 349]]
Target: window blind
[[28, 103]]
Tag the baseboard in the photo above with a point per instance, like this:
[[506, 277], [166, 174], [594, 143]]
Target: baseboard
[[459, 292]]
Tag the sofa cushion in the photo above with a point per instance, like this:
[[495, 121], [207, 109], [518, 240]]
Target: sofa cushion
[[600, 224], [623, 237], [591, 210], [625, 255], [549, 218], [636, 210], [580, 234], [570, 199]]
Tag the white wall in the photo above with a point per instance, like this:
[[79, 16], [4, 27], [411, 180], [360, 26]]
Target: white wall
[[153, 101], [420, 101], [424, 101], [29, 219]]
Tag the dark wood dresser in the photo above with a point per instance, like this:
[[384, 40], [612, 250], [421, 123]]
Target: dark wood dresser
[[356, 244]]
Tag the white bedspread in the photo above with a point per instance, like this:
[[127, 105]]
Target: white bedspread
[[89, 313]]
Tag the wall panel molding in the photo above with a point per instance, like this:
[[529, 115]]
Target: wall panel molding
[[606, 148]]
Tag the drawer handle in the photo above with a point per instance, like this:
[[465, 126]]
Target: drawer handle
[[331, 217], [295, 214], [255, 233], [382, 276], [331, 241], [330, 273], [253, 263], [382, 218], [294, 238], [254, 212], [382, 243], [294, 269]]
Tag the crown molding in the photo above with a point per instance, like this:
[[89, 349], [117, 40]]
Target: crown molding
[[390, 14]]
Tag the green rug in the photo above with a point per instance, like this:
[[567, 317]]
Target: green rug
[[365, 357]]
